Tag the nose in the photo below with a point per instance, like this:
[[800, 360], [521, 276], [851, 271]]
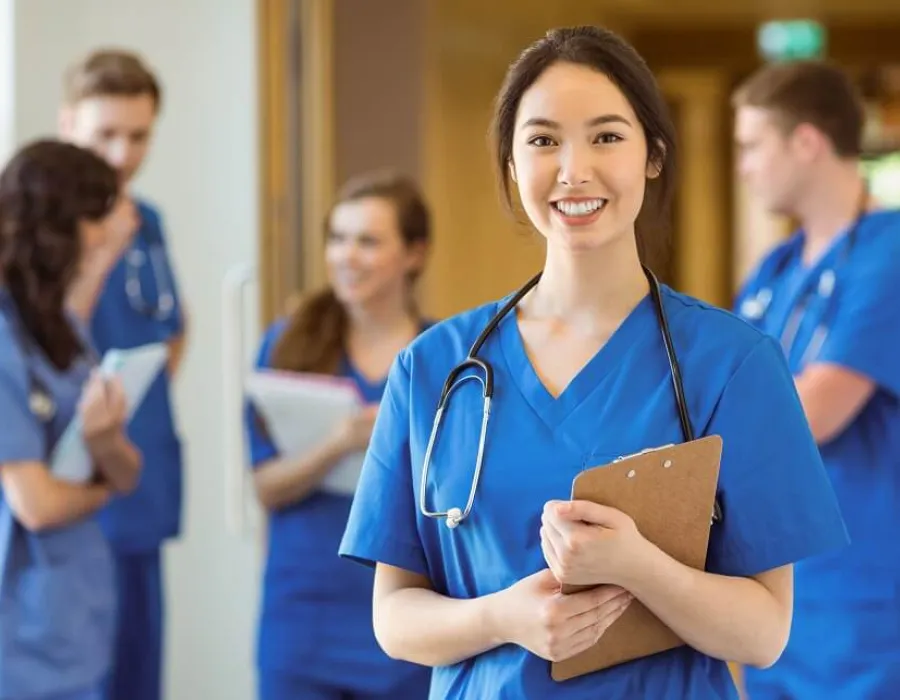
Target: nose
[[118, 153], [574, 165]]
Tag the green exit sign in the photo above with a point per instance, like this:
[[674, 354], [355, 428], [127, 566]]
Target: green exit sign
[[791, 40]]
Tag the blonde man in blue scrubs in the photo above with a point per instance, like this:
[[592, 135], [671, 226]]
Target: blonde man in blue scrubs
[[112, 101], [831, 295]]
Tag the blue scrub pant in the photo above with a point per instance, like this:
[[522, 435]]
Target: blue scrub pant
[[283, 686], [837, 651], [136, 673], [89, 694]]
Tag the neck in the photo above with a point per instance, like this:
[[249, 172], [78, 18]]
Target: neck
[[381, 318], [830, 206], [591, 289]]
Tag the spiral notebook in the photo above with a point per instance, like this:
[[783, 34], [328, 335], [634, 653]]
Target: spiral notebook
[[670, 493]]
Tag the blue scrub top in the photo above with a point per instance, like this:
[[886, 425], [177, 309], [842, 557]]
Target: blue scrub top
[[57, 593], [862, 317], [777, 503], [142, 520], [316, 618]]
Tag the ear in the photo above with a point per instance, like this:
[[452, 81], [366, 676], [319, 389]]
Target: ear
[[65, 121], [807, 141], [417, 256], [655, 161], [512, 172]]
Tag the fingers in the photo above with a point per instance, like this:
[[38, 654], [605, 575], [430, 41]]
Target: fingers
[[576, 604], [586, 511], [117, 403], [597, 623]]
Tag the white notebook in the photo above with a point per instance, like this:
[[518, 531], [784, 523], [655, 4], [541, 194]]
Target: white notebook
[[137, 368], [299, 410]]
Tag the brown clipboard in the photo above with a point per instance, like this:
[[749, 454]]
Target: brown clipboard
[[670, 493]]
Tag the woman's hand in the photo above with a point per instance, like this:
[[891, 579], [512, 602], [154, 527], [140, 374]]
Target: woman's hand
[[353, 434], [536, 616], [586, 544], [103, 412]]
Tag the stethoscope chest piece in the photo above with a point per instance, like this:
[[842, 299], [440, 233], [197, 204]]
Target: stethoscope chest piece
[[42, 405]]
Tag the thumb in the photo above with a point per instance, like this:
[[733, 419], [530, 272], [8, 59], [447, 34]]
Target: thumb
[[546, 580], [591, 513]]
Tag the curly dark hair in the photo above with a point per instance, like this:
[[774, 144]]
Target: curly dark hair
[[45, 191]]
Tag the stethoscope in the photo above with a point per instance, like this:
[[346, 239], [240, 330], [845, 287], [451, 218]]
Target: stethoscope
[[755, 307], [135, 259], [484, 374]]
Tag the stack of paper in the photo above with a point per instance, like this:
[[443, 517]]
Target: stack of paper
[[299, 410]]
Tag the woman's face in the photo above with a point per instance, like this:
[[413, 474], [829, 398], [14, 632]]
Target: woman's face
[[366, 257], [579, 158]]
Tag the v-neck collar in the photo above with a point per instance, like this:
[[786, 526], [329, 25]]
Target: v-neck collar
[[555, 410]]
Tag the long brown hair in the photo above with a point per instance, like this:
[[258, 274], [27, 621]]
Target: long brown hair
[[316, 334], [45, 191]]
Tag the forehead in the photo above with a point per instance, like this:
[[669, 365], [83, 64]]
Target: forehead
[[755, 123], [116, 111], [366, 215], [570, 92]]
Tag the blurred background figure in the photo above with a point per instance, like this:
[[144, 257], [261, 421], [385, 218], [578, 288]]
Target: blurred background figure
[[315, 637], [62, 222], [111, 102], [831, 295]]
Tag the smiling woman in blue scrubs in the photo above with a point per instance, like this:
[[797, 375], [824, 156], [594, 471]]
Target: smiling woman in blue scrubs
[[112, 101], [581, 377], [59, 211], [831, 296], [315, 637]]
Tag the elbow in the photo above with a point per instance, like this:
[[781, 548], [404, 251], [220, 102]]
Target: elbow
[[268, 497], [388, 642], [771, 647], [36, 518]]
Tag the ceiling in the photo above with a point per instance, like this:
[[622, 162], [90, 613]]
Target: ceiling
[[625, 13]]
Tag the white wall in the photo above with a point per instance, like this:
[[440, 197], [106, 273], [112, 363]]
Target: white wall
[[203, 172]]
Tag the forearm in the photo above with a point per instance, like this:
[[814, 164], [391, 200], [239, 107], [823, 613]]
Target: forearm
[[282, 482], [119, 463], [177, 347], [427, 628], [730, 618], [41, 502]]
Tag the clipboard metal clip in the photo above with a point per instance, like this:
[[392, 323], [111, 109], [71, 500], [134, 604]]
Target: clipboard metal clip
[[643, 452]]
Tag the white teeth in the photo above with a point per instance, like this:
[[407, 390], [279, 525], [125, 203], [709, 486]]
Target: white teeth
[[582, 208]]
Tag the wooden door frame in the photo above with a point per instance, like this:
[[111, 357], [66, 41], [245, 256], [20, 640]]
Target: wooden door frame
[[702, 265], [296, 140]]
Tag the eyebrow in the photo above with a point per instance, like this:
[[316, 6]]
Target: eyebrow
[[596, 121]]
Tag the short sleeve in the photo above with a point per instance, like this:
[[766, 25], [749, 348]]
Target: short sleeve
[[262, 448], [382, 523], [152, 219], [778, 506], [23, 437], [865, 331]]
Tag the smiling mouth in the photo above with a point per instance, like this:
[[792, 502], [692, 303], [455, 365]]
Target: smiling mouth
[[584, 207]]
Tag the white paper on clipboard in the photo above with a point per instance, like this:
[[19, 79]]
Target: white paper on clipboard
[[137, 369], [300, 409]]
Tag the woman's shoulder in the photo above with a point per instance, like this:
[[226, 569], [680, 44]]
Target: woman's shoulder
[[710, 335], [455, 334]]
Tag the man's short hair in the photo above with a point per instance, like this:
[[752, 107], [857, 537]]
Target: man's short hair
[[111, 73], [809, 92]]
